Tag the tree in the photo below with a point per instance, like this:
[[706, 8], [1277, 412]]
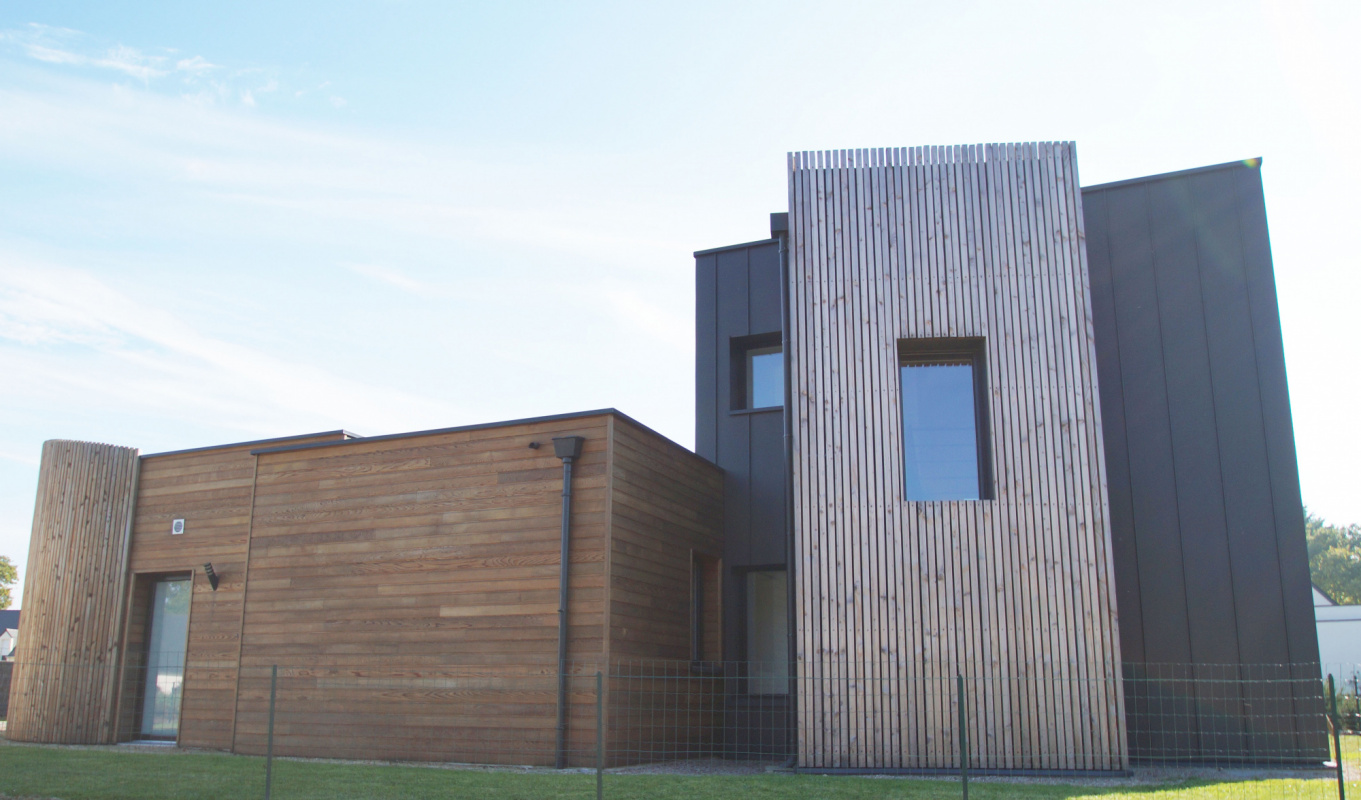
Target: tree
[[8, 575], [1334, 558]]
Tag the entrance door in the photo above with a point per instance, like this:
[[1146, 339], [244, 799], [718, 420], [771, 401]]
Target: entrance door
[[166, 644]]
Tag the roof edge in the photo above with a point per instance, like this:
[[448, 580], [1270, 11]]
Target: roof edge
[[341, 431], [724, 248], [598, 412], [1246, 163]]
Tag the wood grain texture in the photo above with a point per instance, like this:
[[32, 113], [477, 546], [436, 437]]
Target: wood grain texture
[[408, 588], [63, 688], [210, 490], [894, 598]]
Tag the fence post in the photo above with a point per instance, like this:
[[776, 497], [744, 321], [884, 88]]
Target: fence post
[[1337, 740], [963, 738], [599, 736], [269, 737]]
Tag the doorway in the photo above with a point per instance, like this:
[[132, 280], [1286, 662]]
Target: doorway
[[167, 642]]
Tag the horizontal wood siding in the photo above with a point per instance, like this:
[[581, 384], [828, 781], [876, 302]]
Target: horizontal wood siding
[[63, 688], [893, 597], [666, 504], [408, 591], [210, 490]]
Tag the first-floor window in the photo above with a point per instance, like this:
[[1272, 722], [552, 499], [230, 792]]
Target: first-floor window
[[944, 403], [767, 632]]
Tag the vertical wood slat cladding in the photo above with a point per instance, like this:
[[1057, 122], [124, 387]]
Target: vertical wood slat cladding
[[426, 559], [1013, 592], [63, 686], [211, 490]]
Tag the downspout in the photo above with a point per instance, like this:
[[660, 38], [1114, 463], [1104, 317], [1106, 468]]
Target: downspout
[[568, 448], [779, 224]]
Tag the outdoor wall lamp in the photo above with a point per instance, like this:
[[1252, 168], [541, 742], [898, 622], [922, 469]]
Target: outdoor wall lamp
[[212, 575]]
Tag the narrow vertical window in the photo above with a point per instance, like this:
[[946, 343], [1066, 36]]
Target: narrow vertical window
[[767, 632], [757, 372], [945, 456]]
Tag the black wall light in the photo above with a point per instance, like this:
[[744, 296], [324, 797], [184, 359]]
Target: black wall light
[[212, 575]]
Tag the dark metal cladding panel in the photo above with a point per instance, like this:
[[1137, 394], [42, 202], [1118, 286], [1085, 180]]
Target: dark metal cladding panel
[[1195, 453], [1149, 434], [1123, 550], [764, 296], [1238, 413], [1190, 407], [738, 294], [1280, 433], [706, 356], [1194, 397], [768, 544], [734, 433]]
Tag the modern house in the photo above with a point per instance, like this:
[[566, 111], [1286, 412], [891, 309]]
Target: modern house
[[959, 423]]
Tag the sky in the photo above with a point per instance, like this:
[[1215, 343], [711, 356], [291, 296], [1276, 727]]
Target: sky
[[230, 221]]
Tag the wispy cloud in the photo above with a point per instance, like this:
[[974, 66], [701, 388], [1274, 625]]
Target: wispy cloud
[[389, 276], [71, 334], [208, 83]]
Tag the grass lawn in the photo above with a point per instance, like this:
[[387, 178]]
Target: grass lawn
[[86, 774]]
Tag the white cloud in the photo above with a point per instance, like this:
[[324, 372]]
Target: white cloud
[[196, 65], [67, 333], [389, 276]]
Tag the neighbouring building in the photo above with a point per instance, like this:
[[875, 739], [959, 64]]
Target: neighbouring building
[[1339, 636], [956, 418]]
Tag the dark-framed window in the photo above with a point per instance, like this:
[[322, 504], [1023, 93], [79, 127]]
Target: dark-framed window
[[944, 396], [757, 372], [765, 600]]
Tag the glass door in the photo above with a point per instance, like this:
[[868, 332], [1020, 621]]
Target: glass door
[[166, 644]]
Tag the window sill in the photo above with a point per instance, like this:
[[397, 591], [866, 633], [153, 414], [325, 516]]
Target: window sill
[[737, 412]]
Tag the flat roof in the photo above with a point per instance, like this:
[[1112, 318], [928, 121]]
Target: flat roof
[[599, 412], [341, 432]]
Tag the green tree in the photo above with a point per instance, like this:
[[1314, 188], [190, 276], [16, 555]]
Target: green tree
[[1334, 558], [9, 574]]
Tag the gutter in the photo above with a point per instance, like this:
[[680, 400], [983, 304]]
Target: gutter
[[568, 448]]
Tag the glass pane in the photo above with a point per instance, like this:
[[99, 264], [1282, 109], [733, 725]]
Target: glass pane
[[940, 446], [765, 378], [165, 658], [767, 632]]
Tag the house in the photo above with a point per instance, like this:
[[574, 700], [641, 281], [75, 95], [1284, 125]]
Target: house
[[1339, 636], [974, 446], [9, 633]]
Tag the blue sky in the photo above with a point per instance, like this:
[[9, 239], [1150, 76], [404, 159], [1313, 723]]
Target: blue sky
[[231, 221]]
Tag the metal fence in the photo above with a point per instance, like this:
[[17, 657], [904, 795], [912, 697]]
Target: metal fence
[[1230, 724]]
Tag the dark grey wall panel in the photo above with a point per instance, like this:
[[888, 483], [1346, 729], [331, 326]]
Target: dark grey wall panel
[[706, 355], [1149, 435], [1124, 554], [737, 295], [1201, 464]]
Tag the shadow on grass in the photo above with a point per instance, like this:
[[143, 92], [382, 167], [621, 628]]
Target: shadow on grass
[[106, 774]]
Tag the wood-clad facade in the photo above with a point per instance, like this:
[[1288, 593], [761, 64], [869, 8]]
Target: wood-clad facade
[[64, 689], [895, 598], [405, 586]]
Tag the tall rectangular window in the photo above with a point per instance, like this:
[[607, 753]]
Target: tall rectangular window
[[767, 632], [757, 372], [944, 402]]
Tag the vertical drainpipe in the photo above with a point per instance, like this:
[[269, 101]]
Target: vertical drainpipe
[[779, 227], [567, 448]]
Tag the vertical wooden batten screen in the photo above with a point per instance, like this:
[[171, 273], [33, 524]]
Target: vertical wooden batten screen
[[894, 598], [66, 664]]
